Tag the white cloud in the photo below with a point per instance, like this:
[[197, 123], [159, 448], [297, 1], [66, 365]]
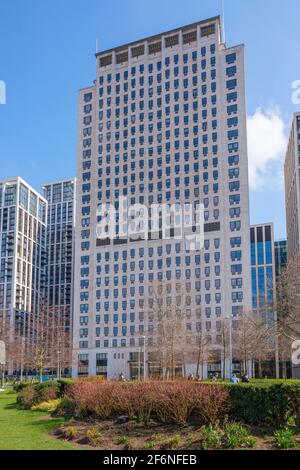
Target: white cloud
[[266, 147]]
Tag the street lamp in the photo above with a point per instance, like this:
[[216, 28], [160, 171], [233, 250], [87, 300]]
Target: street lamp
[[144, 338], [22, 358], [229, 317], [139, 365], [58, 365], [2, 362]]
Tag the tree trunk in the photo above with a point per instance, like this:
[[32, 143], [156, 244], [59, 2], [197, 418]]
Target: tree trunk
[[259, 369]]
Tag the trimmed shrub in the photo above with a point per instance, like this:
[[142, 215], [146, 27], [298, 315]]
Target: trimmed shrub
[[269, 403]]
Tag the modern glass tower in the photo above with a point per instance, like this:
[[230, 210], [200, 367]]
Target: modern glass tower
[[164, 122], [263, 266], [280, 256], [22, 257], [263, 275], [60, 246]]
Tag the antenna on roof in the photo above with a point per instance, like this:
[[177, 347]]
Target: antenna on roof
[[223, 21], [97, 46]]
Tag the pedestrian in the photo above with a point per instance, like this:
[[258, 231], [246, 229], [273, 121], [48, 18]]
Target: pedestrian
[[245, 379], [234, 379], [122, 377]]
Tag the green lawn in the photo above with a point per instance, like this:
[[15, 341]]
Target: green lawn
[[26, 430]]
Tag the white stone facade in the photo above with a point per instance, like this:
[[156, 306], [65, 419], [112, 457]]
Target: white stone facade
[[164, 122]]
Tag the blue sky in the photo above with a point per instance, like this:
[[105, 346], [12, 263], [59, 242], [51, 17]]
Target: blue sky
[[47, 53]]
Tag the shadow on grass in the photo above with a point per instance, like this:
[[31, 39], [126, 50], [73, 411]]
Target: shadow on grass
[[12, 406], [48, 423]]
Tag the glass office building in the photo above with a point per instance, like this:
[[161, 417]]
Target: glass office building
[[60, 242], [262, 266], [22, 258], [280, 256]]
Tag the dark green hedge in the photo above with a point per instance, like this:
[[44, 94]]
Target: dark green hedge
[[266, 402]]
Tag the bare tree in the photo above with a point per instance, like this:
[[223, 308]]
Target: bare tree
[[288, 300], [254, 338], [59, 342], [200, 350], [224, 331], [288, 308], [167, 335]]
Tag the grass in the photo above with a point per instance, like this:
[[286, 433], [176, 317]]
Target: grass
[[27, 430]]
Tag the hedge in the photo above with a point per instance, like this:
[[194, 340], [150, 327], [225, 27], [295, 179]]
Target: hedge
[[270, 403]]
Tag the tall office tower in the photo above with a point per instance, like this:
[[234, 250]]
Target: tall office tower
[[60, 247], [22, 257], [280, 256], [164, 123], [292, 188], [263, 274], [263, 270]]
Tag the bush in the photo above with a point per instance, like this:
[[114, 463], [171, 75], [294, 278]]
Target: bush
[[27, 397], [170, 402], [48, 406], [47, 391], [285, 439], [63, 385], [212, 403], [267, 402], [35, 394], [20, 386], [65, 407], [92, 398]]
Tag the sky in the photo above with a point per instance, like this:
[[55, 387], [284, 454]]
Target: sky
[[47, 52]]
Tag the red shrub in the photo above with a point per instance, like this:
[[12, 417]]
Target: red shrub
[[176, 402], [172, 402], [212, 402], [93, 397]]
